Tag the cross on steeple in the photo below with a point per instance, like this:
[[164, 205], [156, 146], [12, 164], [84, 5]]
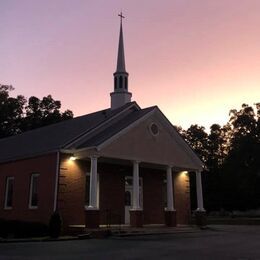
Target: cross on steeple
[[120, 96], [121, 16]]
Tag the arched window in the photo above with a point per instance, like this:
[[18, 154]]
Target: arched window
[[120, 82], [126, 83], [115, 82]]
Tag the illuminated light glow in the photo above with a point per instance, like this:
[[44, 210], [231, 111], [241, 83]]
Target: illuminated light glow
[[72, 158], [184, 173]]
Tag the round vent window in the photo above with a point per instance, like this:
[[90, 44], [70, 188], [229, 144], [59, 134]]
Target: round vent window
[[154, 129]]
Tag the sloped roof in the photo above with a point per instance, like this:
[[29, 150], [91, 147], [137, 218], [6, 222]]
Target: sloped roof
[[112, 129], [91, 130], [55, 136]]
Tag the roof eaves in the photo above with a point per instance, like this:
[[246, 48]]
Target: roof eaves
[[189, 149], [125, 129], [27, 156], [79, 139]]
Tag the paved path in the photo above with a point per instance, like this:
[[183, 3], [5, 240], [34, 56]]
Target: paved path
[[220, 242]]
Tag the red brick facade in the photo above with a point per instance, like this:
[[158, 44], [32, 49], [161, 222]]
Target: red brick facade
[[182, 197], [22, 170], [72, 191]]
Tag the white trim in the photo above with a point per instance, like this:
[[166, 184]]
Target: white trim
[[170, 200], [30, 196], [190, 152], [123, 131], [6, 191], [78, 140], [56, 182], [88, 207], [199, 192]]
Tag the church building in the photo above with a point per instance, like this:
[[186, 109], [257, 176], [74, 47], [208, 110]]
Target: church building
[[122, 165]]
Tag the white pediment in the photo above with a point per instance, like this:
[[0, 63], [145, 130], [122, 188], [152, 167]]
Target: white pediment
[[139, 142]]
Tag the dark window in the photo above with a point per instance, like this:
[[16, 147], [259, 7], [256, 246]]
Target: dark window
[[127, 198], [165, 193], [34, 190], [115, 82], [87, 185], [9, 192], [120, 82], [126, 83], [154, 129]]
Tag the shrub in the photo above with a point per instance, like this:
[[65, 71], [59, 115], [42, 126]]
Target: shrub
[[55, 225], [22, 229]]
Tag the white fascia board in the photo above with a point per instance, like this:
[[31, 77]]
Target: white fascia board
[[193, 156], [81, 139], [125, 130], [56, 181]]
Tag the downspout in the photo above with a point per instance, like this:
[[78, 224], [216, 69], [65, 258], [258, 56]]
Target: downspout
[[56, 181]]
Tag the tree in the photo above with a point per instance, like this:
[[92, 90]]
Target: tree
[[241, 169], [11, 112], [18, 115], [231, 154], [197, 138], [43, 112]]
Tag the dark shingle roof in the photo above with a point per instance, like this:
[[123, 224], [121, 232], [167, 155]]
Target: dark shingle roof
[[53, 137], [112, 129]]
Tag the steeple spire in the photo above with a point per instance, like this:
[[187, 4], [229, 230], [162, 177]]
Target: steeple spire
[[120, 96], [121, 52]]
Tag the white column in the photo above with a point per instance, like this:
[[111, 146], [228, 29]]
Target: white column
[[136, 199], [93, 184], [199, 192], [170, 204]]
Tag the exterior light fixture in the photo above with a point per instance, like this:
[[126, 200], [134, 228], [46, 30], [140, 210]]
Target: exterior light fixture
[[184, 173], [72, 158]]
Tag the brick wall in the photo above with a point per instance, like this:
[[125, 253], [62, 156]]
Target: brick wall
[[71, 198], [153, 196], [21, 171], [71, 190], [112, 193], [182, 197]]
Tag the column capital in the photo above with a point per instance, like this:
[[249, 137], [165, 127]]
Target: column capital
[[169, 167], [94, 156], [136, 161]]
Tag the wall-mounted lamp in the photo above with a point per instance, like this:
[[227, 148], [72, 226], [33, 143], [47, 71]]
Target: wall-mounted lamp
[[72, 158], [184, 173]]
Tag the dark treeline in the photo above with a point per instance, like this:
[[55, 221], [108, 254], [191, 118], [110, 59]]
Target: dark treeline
[[17, 114], [232, 156]]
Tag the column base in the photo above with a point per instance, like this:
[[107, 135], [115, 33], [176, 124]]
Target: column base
[[136, 218], [92, 218], [170, 218], [201, 218]]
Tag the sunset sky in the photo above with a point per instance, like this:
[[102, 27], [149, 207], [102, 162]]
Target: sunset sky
[[195, 59]]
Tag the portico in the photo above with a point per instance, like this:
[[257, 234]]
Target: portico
[[137, 204]]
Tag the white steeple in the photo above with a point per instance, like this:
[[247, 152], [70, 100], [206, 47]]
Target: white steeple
[[120, 96]]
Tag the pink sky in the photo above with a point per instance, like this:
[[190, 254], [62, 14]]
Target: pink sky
[[196, 60]]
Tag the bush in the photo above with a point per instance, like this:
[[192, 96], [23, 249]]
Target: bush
[[55, 225], [22, 229]]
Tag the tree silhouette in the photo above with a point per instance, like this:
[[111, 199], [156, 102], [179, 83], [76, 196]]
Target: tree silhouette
[[18, 115], [231, 154]]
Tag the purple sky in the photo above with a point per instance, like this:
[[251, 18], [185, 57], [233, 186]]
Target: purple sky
[[196, 60]]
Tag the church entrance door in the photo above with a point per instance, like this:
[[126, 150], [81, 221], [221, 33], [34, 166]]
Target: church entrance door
[[129, 196]]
